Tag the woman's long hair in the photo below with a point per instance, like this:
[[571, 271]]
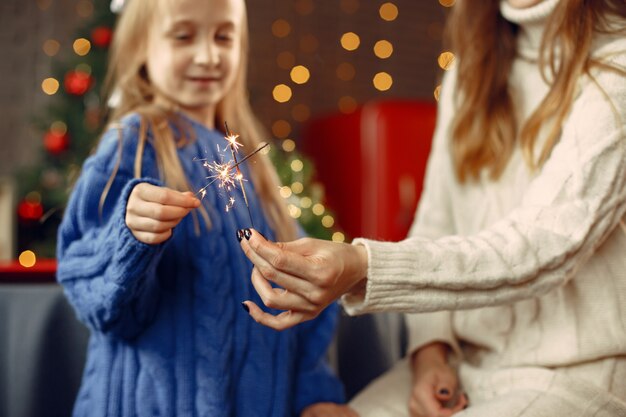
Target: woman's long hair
[[484, 130], [127, 77]]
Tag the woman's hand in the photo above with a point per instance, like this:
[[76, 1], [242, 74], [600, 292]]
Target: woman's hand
[[328, 410], [312, 274], [152, 212], [435, 391]]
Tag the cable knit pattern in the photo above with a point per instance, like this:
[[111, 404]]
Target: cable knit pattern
[[169, 337], [540, 253]]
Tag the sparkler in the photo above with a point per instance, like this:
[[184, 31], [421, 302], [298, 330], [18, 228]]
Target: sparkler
[[228, 173]]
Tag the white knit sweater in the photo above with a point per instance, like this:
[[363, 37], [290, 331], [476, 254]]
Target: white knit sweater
[[534, 264]]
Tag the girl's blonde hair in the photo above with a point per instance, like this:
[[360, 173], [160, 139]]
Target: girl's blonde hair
[[127, 77], [484, 129]]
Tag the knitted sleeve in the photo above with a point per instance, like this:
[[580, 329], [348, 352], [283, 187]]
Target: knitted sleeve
[[571, 206], [107, 274], [315, 381]]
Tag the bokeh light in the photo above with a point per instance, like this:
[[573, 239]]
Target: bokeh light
[[388, 12], [50, 86], [347, 104], [339, 237], [281, 128], [437, 92], [27, 259], [383, 49], [304, 7], [383, 81], [286, 60], [81, 46], [349, 6], [51, 47], [346, 71], [289, 145], [328, 221], [446, 60], [281, 28], [282, 93], [350, 41], [297, 165], [447, 3], [300, 74]]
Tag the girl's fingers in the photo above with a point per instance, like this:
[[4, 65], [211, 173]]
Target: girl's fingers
[[166, 196], [278, 298], [157, 211], [145, 224], [152, 238], [281, 321]]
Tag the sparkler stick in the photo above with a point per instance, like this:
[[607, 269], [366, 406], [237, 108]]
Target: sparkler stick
[[232, 139]]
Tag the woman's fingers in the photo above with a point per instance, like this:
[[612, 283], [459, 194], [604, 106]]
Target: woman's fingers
[[165, 196], [279, 298], [145, 224], [152, 238], [281, 321]]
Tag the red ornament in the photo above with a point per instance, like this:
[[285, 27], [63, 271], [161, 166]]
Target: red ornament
[[30, 210], [101, 36], [56, 142], [77, 83]]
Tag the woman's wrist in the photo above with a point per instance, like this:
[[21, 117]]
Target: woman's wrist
[[435, 352], [358, 276]]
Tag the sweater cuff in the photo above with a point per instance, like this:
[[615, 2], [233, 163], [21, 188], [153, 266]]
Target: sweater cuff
[[129, 251]]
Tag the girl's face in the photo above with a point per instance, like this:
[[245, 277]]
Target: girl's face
[[193, 53]]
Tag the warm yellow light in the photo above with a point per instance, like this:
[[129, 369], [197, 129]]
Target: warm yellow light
[[281, 28], [346, 71], [350, 41], [437, 92], [297, 165], [383, 49], [388, 12], [339, 237], [286, 60], [446, 60], [300, 74], [281, 128], [447, 3], [282, 93], [51, 47], [81, 46], [347, 104], [306, 202], [328, 221], [27, 258], [289, 145], [50, 86], [294, 211], [301, 113], [383, 81], [285, 192], [297, 187], [318, 209]]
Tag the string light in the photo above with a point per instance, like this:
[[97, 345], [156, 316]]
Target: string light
[[289, 145], [297, 165], [282, 93], [339, 237], [300, 74], [81, 46], [437, 92], [27, 259], [388, 12], [318, 209], [383, 49], [285, 192], [297, 187], [383, 81], [328, 221], [350, 41], [50, 86], [294, 212], [281, 128], [446, 60], [447, 3], [306, 202]]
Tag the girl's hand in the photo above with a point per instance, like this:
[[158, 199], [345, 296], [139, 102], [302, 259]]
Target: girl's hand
[[313, 272], [328, 410], [435, 391], [152, 212]]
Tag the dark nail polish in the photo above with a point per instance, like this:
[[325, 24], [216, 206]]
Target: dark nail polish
[[239, 234], [247, 233], [444, 391], [245, 307]]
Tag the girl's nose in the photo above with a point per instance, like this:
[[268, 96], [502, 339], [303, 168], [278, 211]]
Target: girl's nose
[[207, 53]]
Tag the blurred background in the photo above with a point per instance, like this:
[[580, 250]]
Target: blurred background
[[346, 89]]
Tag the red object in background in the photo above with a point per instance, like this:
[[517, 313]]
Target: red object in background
[[56, 142], [101, 36], [42, 272], [372, 164], [77, 83], [29, 210]]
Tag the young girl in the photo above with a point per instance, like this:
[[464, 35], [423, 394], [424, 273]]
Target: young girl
[[516, 258], [156, 274]]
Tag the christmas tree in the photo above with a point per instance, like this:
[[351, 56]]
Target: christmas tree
[[70, 128]]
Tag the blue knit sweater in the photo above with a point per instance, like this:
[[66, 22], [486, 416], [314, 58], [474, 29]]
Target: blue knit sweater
[[168, 334]]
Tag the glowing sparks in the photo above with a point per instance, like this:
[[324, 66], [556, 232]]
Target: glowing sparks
[[227, 174]]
